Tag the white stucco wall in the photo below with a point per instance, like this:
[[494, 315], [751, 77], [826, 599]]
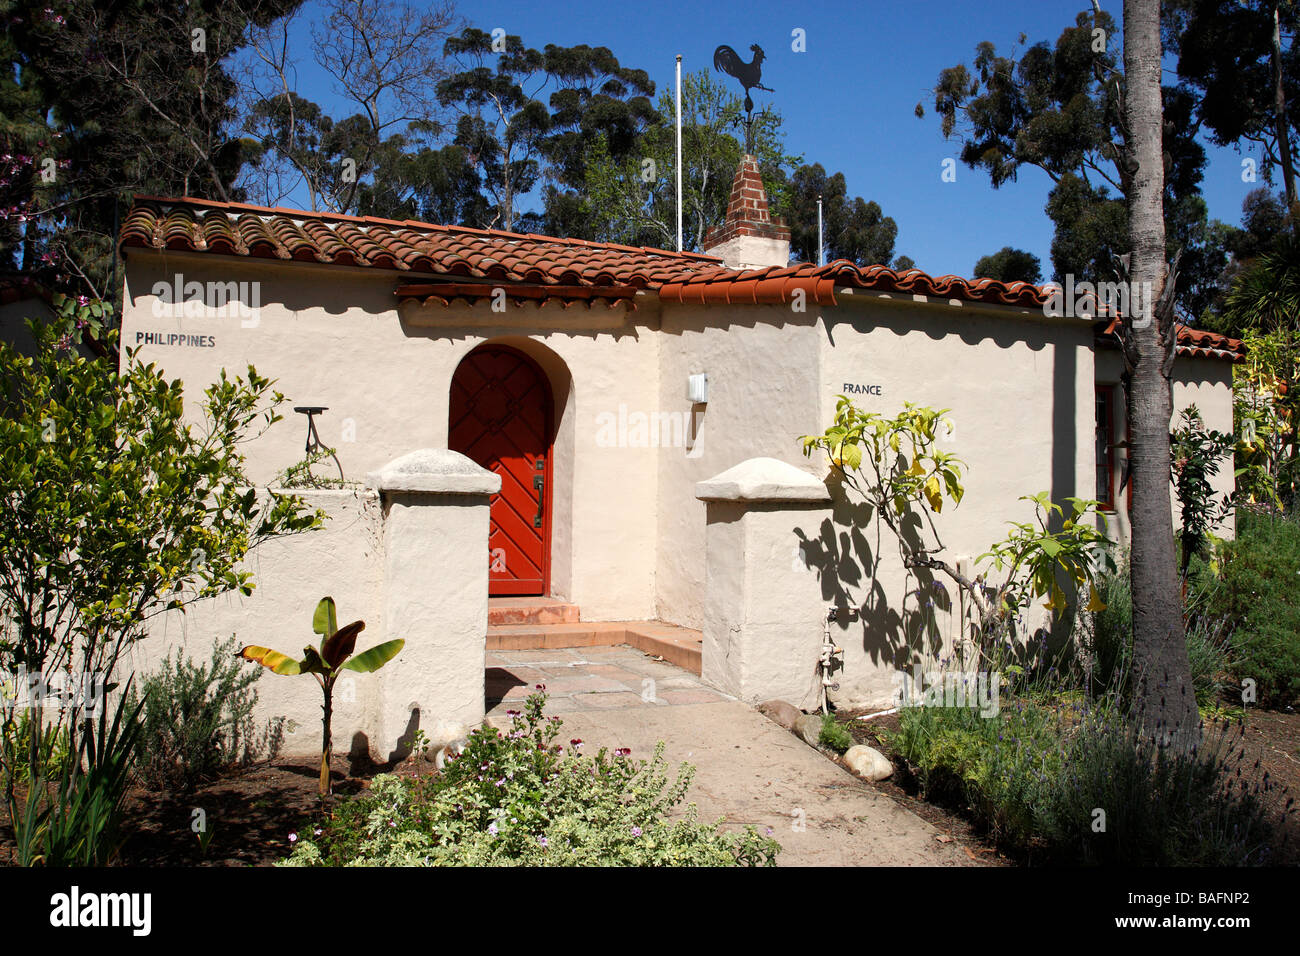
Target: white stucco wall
[[629, 535], [334, 337], [1021, 393], [343, 560], [1203, 382], [763, 370]]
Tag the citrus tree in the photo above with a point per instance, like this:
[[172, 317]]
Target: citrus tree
[[114, 508], [897, 465]]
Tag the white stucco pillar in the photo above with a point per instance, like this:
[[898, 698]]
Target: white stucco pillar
[[764, 609], [435, 538]]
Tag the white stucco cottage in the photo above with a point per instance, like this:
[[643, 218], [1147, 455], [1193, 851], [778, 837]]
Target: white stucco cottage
[[611, 391]]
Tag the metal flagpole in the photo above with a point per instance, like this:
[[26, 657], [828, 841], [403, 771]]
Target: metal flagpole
[[679, 152]]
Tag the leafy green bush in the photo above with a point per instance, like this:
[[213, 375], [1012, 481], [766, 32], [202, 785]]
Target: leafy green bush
[[1256, 586], [122, 501], [1207, 652], [996, 766], [1269, 654], [1110, 636], [1034, 776], [1197, 453], [1109, 641], [16, 740], [197, 721], [517, 799], [833, 734]]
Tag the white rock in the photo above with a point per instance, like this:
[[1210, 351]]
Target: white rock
[[868, 763]]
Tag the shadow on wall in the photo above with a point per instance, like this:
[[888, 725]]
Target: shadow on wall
[[847, 556], [363, 764]]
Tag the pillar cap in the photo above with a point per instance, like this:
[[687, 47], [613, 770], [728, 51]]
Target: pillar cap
[[763, 479], [434, 471]]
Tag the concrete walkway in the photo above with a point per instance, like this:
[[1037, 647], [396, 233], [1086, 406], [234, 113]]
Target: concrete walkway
[[749, 770]]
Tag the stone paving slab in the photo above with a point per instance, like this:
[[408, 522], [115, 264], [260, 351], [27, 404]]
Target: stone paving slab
[[748, 769], [590, 678]]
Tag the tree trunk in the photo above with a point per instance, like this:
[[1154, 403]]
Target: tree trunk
[[1279, 115], [325, 746], [1165, 703]]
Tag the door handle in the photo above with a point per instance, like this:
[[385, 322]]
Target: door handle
[[539, 482]]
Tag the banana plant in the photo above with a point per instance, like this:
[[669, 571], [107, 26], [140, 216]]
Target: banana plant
[[326, 664]]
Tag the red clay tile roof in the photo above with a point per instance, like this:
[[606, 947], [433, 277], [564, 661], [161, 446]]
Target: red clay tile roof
[[1192, 343], [777, 285], [556, 269], [416, 247], [198, 225]]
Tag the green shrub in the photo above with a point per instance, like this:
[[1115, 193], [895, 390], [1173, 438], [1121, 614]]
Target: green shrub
[[1207, 653], [1109, 642], [1034, 776], [16, 739], [1269, 654], [516, 799], [121, 500], [1256, 586], [833, 734], [75, 819], [197, 721], [995, 766], [1110, 637], [1161, 808]]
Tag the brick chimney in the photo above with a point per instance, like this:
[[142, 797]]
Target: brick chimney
[[750, 238]]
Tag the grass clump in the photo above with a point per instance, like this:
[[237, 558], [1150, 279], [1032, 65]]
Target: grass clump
[[834, 735]]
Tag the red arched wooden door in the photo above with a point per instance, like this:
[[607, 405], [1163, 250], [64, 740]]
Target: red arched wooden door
[[501, 419]]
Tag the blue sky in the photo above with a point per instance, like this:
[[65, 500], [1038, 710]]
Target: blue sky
[[848, 100]]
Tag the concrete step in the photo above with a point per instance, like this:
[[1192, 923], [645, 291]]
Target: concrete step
[[531, 610], [523, 637], [680, 646], [677, 645]]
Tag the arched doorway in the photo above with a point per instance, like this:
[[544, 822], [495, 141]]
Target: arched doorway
[[501, 418]]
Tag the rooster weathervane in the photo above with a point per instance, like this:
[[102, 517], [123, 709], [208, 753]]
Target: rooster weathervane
[[728, 61]]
